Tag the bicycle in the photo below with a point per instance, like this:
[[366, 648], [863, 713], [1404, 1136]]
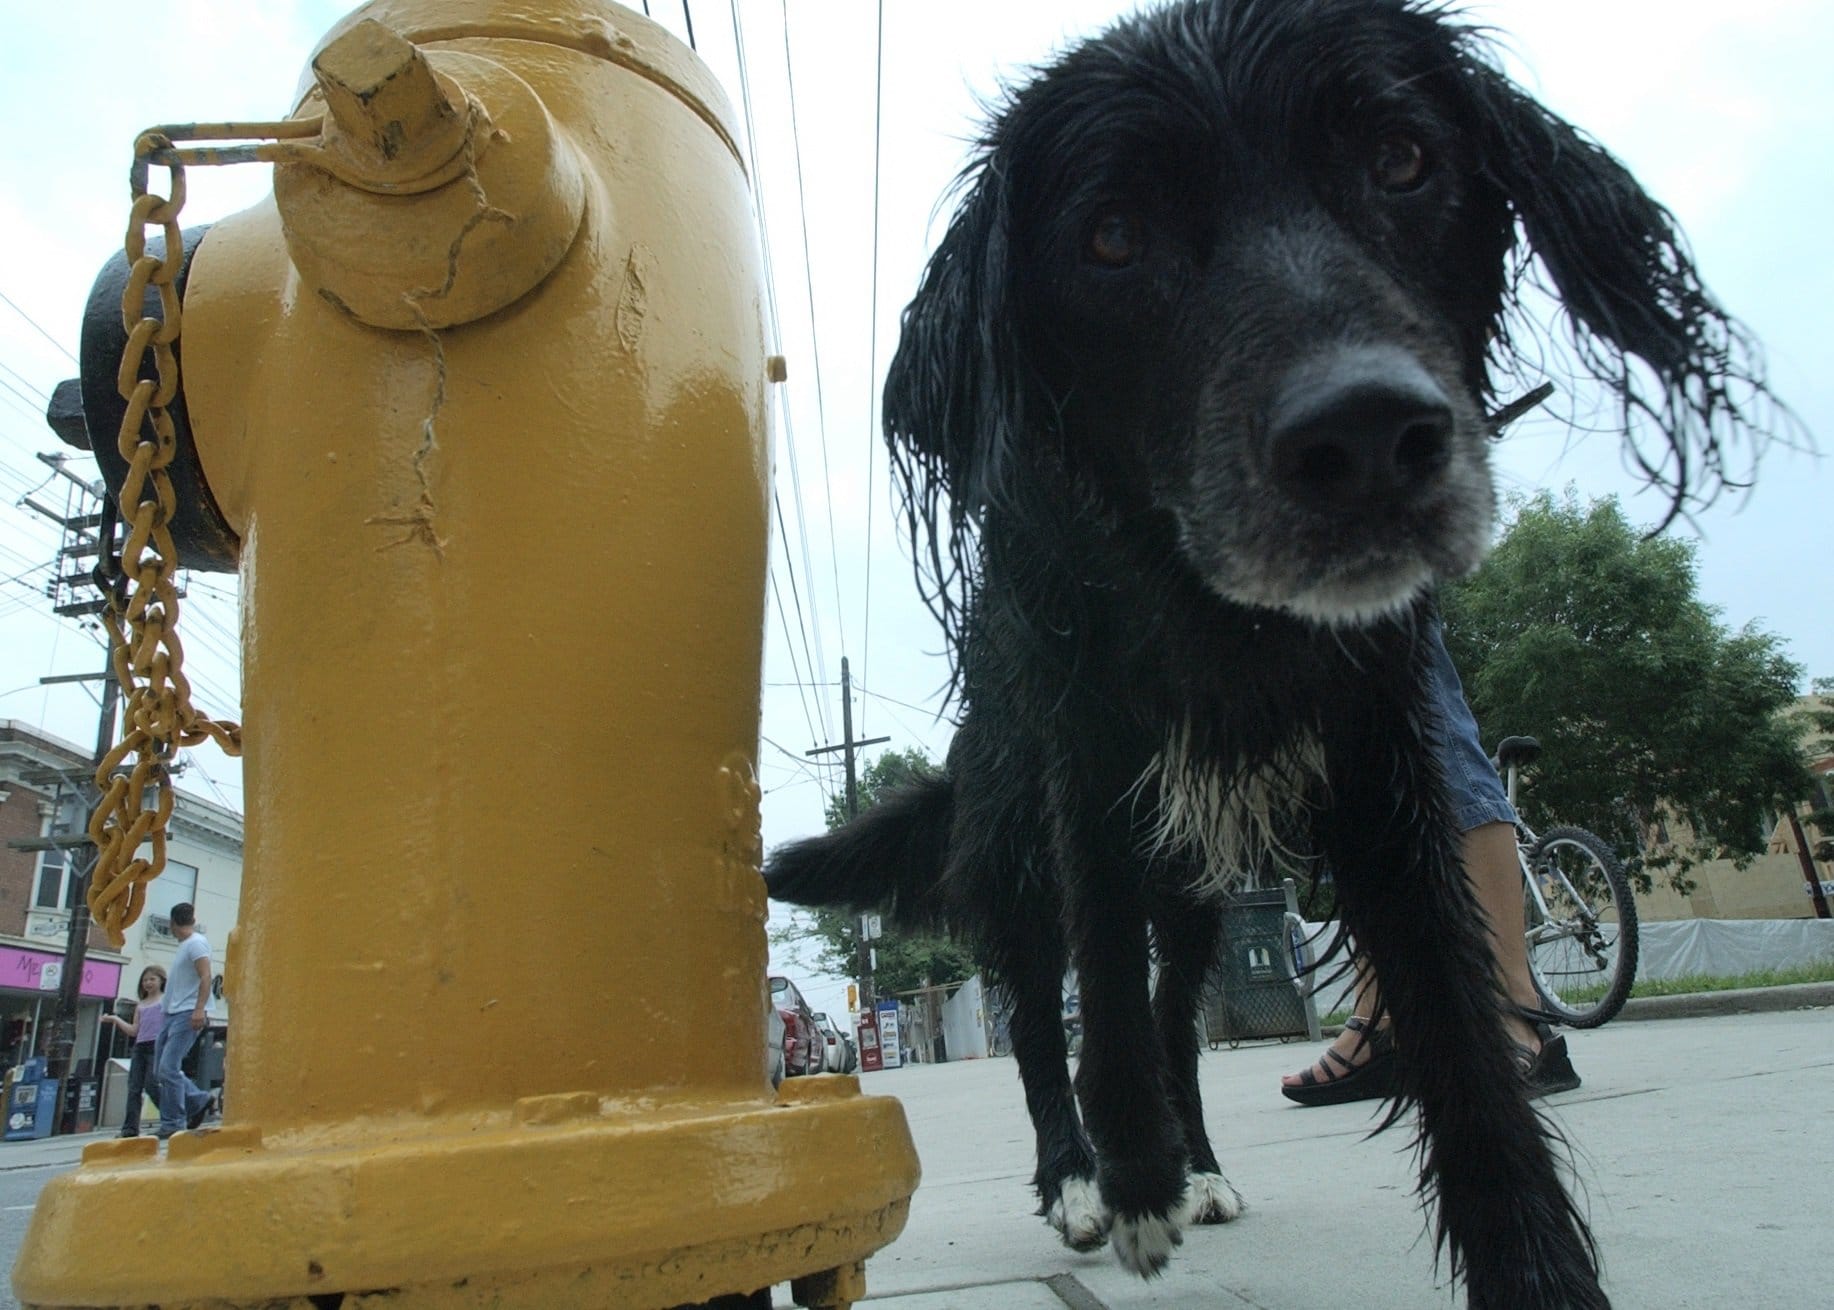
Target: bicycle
[[1581, 917]]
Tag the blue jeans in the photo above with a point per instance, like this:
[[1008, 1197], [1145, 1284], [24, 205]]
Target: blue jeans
[[139, 1074], [1475, 790], [179, 1098]]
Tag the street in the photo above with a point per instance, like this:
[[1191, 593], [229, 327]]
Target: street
[[18, 1190], [1702, 1151]]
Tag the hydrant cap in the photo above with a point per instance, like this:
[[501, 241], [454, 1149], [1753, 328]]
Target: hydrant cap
[[592, 27]]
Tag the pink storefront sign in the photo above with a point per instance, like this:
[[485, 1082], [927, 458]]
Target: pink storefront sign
[[22, 969]]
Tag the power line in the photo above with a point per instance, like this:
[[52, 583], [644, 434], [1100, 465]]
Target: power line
[[810, 660], [872, 350], [30, 385], [41, 332], [16, 391], [790, 650], [28, 409], [20, 577], [795, 759], [819, 662], [222, 797], [893, 700], [808, 269]]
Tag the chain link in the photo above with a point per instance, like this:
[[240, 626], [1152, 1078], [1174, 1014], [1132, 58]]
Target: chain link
[[157, 717]]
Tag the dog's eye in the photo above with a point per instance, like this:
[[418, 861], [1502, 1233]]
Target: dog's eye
[[1116, 240], [1399, 164]]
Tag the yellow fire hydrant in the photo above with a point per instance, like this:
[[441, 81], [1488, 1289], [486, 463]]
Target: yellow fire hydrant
[[481, 394]]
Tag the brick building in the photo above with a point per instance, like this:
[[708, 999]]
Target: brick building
[[42, 796]]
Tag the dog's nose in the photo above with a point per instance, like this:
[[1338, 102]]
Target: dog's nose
[[1364, 428]]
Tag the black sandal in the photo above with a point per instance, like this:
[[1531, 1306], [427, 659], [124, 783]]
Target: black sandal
[[1550, 1069], [1372, 1079]]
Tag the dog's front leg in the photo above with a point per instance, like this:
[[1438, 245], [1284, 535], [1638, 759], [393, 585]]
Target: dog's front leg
[[1139, 1148], [1486, 1158], [1027, 956], [1187, 930]]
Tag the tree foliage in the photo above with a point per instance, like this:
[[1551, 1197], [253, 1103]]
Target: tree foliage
[[1588, 635], [906, 961]]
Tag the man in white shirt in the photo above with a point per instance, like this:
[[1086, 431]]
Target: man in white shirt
[[182, 1103]]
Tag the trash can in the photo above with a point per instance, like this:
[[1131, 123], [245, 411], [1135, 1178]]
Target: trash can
[[1257, 991], [31, 1104], [82, 1104]]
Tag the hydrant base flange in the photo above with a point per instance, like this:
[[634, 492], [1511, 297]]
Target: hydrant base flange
[[609, 1211]]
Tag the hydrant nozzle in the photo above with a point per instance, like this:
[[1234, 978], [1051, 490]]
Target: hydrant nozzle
[[441, 191]]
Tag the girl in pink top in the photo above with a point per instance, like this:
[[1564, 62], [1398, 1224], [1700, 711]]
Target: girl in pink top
[[148, 1015]]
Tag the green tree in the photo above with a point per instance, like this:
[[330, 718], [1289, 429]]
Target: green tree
[[906, 960], [1588, 635]]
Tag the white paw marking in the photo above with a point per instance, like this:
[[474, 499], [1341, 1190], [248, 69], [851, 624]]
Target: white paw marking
[[1143, 1243], [1079, 1215], [1208, 1199]]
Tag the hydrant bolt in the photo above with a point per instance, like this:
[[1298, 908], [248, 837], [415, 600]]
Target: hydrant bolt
[[391, 114]]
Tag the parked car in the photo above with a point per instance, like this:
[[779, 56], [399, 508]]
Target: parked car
[[843, 1056], [775, 1067], [803, 1044]]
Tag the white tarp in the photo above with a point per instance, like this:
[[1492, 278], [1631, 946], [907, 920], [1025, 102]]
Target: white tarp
[[964, 1022], [1724, 948]]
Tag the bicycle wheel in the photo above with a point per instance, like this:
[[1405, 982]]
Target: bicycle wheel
[[1582, 951]]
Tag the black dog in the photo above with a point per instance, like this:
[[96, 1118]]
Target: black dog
[[1189, 415]]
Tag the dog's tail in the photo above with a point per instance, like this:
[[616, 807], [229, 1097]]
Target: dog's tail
[[890, 858]]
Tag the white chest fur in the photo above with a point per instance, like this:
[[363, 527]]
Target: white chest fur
[[1239, 820]]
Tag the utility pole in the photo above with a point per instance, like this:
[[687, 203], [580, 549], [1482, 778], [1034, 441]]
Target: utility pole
[[76, 944], [862, 950], [90, 527], [1810, 873]]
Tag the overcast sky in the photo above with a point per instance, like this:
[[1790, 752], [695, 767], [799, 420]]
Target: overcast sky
[[1725, 112]]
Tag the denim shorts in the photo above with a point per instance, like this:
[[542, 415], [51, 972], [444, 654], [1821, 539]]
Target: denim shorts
[[1472, 785]]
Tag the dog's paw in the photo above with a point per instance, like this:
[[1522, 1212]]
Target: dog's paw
[[1208, 1199], [1143, 1243], [1078, 1215]]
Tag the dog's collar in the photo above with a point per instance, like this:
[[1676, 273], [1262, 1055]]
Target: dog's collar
[[1515, 409]]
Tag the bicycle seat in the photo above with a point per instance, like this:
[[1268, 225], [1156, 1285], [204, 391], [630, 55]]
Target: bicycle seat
[[1514, 752]]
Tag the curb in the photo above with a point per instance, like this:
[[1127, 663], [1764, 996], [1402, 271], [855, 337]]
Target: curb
[[1707, 1005], [1750, 1000]]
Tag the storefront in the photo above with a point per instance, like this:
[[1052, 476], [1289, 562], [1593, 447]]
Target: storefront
[[28, 1002]]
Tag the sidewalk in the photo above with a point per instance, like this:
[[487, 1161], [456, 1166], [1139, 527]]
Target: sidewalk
[[44, 1152], [1703, 1153]]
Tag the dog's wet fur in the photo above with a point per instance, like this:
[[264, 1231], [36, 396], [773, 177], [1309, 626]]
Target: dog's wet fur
[[1189, 416]]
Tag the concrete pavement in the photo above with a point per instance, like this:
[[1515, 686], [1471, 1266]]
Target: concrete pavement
[[1704, 1151]]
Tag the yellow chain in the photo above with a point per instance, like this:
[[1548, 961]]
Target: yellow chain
[[157, 718]]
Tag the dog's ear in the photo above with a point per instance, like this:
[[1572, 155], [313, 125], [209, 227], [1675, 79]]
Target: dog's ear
[[953, 395], [1627, 282], [951, 400]]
